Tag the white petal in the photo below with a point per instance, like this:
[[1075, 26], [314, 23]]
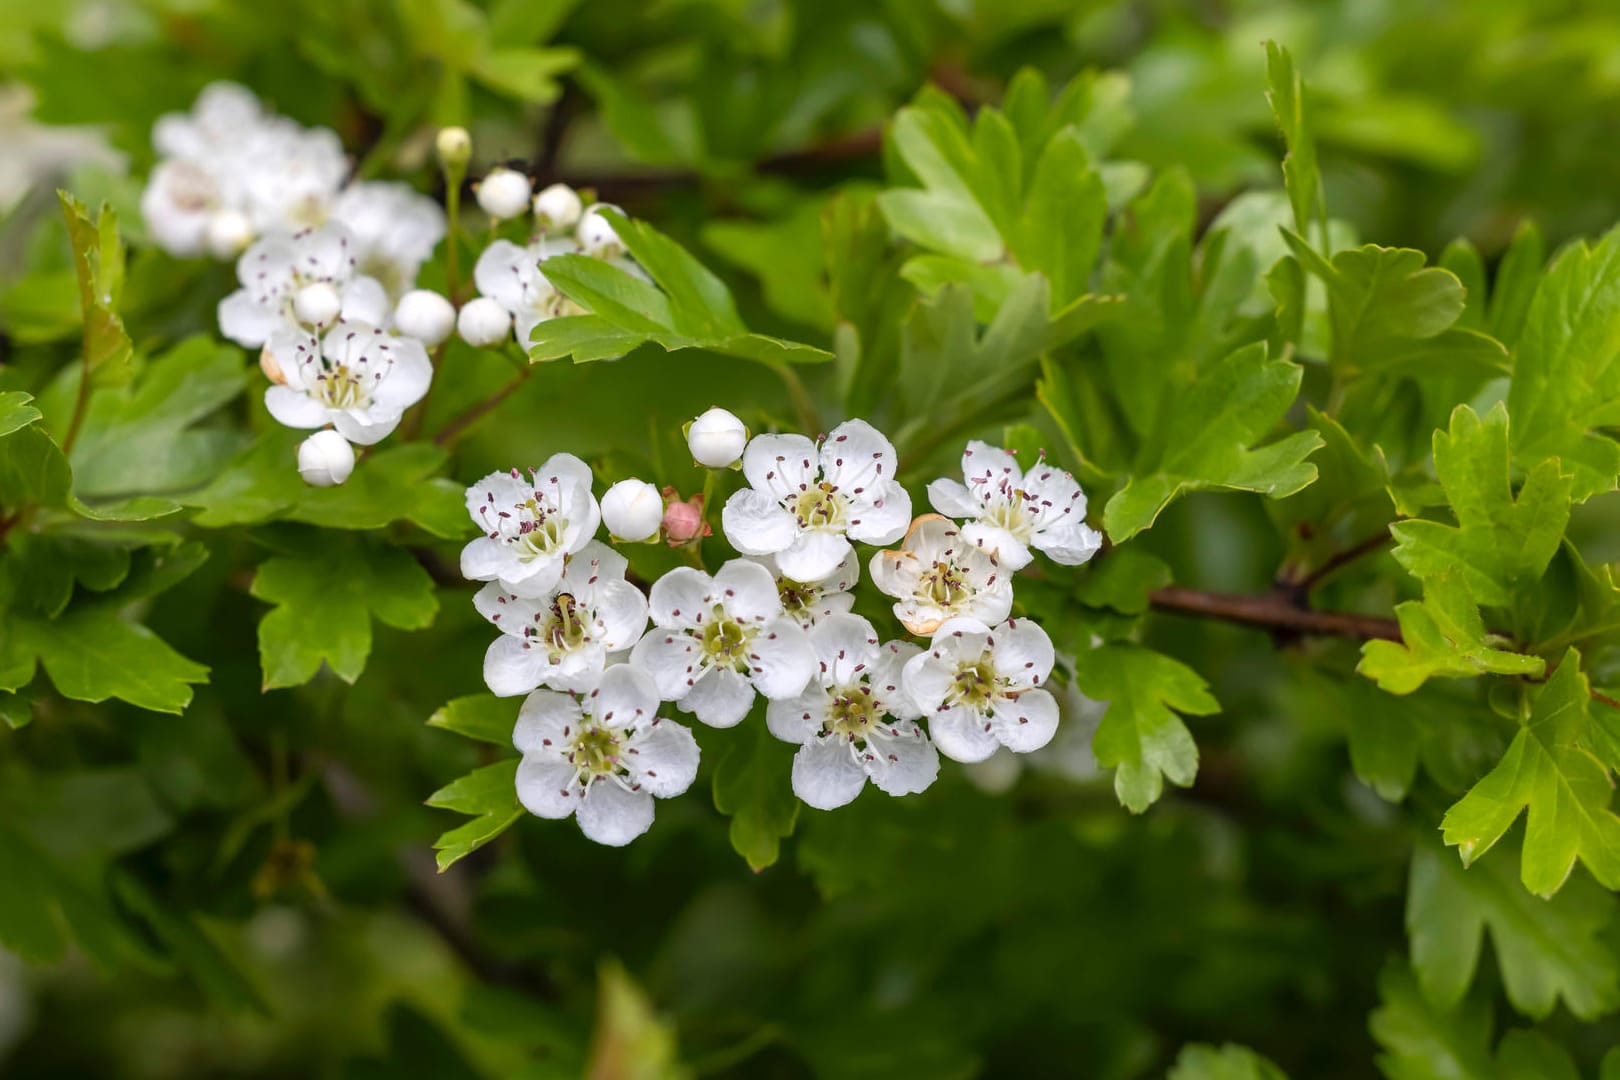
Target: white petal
[[756, 524], [563, 467], [613, 816], [1023, 653], [504, 611], [366, 430], [246, 321], [365, 299], [407, 380], [294, 409], [680, 598], [591, 568], [532, 580], [1069, 544], [886, 677], [952, 498], [857, 455], [812, 556], [1008, 550], [825, 776], [882, 515], [544, 723], [846, 646], [780, 465], [483, 559], [670, 657], [927, 679], [781, 659], [895, 573], [627, 696], [984, 465], [903, 764], [960, 735], [747, 591], [547, 786], [512, 666], [621, 611], [1025, 723], [798, 719], [721, 698], [663, 758]]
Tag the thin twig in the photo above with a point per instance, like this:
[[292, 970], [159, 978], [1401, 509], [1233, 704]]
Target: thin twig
[[1339, 560], [1273, 611], [459, 425]]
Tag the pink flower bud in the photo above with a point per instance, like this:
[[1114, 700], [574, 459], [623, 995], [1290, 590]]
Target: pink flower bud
[[683, 521]]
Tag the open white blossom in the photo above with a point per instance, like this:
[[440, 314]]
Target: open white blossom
[[717, 640], [531, 525], [980, 688], [808, 602], [510, 275], [937, 575], [804, 503], [603, 758], [356, 378], [224, 114], [276, 269], [854, 722], [180, 204], [563, 640], [1012, 511], [290, 174], [395, 230]]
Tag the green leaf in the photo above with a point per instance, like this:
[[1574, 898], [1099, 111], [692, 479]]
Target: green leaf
[[1123, 580], [1286, 92], [98, 262], [1422, 1041], [193, 949], [1140, 737], [947, 213], [1549, 769], [15, 412], [484, 717], [43, 567], [689, 308], [1566, 381], [324, 602], [1206, 441], [1228, 1062], [1441, 636], [1531, 1055], [1546, 949], [1500, 545], [750, 788], [528, 74], [33, 471], [489, 796], [91, 654]]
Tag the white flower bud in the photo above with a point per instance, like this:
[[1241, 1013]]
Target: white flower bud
[[483, 322], [716, 438], [325, 458], [317, 304], [632, 510], [504, 193], [596, 237], [455, 147], [557, 208], [424, 315], [229, 232]]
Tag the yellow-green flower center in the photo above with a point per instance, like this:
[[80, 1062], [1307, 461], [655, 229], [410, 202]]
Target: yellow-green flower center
[[974, 685], [726, 641], [821, 507]]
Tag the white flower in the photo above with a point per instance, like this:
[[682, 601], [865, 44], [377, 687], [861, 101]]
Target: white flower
[[802, 503], [180, 203], [596, 236], [632, 510], [855, 721], [426, 316], [564, 639], [1012, 511], [289, 175], [511, 276], [979, 688], [504, 193], [937, 575], [808, 602], [530, 526], [222, 116], [395, 229], [317, 304], [278, 267], [356, 378], [483, 322], [325, 459], [604, 758], [557, 208], [716, 640], [229, 232], [716, 439]]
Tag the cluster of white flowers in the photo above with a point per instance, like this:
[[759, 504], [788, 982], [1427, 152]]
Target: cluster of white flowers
[[327, 266], [776, 622]]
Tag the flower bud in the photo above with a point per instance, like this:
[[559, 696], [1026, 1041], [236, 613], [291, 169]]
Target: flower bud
[[596, 237], [229, 231], [683, 520], [424, 315], [325, 459], [317, 304], [504, 193], [455, 148], [716, 439], [557, 208], [483, 322], [632, 510]]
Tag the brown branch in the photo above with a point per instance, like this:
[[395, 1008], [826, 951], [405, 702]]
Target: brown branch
[[1277, 612], [459, 425], [1339, 560]]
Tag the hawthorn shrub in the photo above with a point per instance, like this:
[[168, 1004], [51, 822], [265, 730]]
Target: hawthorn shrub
[[1007, 559]]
